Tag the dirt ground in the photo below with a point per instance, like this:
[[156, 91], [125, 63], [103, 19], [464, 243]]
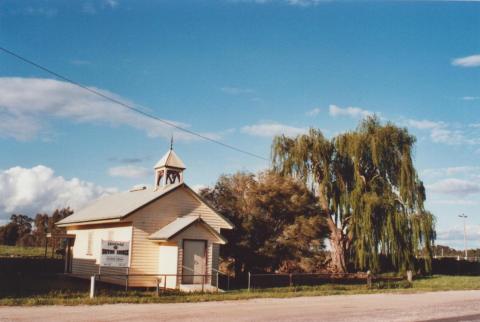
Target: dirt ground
[[435, 306]]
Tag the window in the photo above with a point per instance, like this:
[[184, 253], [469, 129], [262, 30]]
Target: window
[[90, 243]]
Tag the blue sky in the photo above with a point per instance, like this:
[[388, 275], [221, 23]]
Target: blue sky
[[238, 71]]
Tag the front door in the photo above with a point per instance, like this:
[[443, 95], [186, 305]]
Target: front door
[[194, 261]]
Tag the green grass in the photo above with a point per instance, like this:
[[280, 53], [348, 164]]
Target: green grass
[[446, 283], [108, 296], [19, 251]]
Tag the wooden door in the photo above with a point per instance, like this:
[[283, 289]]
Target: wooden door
[[194, 261]]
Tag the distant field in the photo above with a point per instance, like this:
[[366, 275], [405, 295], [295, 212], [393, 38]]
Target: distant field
[[66, 291], [18, 251]]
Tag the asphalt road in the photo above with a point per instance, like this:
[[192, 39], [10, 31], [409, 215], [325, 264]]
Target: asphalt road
[[435, 306]]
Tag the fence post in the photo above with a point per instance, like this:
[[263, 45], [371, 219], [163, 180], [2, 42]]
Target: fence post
[[228, 281], [203, 284], [19, 283], [290, 279], [126, 279], [410, 276], [46, 246], [369, 279], [92, 286], [249, 274], [217, 281], [165, 284], [158, 286]]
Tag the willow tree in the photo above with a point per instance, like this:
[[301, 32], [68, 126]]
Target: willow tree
[[369, 192]]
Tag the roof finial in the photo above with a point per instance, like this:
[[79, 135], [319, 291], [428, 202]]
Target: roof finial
[[171, 142]]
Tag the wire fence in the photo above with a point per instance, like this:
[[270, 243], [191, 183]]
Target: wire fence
[[272, 280], [23, 284], [458, 258]]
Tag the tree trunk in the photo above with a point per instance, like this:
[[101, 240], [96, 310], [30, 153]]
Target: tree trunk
[[238, 266], [337, 241], [337, 252]]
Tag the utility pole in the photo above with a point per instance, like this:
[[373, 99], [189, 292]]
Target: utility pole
[[464, 233]]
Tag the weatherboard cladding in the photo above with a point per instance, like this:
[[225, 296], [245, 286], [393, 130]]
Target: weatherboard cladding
[[86, 265], [117, 205], [146, 219], [149, 219]]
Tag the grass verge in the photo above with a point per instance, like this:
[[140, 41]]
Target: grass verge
[[105, 296], [19, 251]]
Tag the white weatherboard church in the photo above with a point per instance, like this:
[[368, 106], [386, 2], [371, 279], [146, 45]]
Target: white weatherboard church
[[166, 229]]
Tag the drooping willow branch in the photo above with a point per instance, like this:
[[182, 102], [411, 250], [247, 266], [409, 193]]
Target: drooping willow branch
[[368, 189]]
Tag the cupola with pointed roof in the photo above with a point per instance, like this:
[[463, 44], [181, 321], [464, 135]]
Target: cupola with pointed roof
[[169, 170]]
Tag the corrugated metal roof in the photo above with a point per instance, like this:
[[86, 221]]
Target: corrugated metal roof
[[117, 205], [170, 159], [168, 231], [178, 225]]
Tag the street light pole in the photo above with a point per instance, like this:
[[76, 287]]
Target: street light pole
[[464, 233]]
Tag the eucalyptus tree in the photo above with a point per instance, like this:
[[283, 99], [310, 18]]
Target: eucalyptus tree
[[368, 190], [276, 227]]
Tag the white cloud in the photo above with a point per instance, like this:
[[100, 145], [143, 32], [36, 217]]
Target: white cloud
[[35, 11], [272, 129], [455, 187], [93, 7], [468, 61], [198, 187], [441, 132], [27, 103], [47, 12], [448, 136], [38, 189], [128, 160], [450, 171], [295, 3], [89, 8], [111, 3], [314, 112], [236, 90], [304, 3], [471, 98], [456, 233], [454, 202], [354, 112], [425, 124], [128, 171]]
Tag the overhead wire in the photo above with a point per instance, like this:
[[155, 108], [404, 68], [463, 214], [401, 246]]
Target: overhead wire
[[128, 106]]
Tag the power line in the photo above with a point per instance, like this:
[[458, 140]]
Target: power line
[[132, 108]]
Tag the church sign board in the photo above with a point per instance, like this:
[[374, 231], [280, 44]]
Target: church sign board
[[115, 253]]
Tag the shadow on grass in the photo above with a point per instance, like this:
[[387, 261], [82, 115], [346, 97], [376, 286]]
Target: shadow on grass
[[64, 290]]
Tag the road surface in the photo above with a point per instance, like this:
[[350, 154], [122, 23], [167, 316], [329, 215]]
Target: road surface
[[435, 306]]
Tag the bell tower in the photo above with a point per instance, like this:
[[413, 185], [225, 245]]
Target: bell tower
[[169, 170]]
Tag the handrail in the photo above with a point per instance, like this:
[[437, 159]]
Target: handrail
[[220, 272], [107, 274], [188, 268]]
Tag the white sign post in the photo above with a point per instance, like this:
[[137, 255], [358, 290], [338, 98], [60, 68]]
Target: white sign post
[[115, 253]]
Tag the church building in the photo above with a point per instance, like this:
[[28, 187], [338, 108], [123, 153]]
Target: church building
[[164, 234]]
